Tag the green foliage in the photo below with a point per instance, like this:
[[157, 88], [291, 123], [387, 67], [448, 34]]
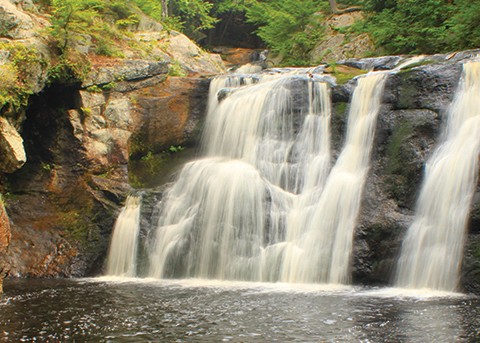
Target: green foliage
[[94, 89], [174, 149], [150, 7], [431, 26], [132, 20], [18, 74], [194, 15], [86, 22], [290, 28], [72, 19], [70, 67], [175, 69], [154, 169], [465, 25]]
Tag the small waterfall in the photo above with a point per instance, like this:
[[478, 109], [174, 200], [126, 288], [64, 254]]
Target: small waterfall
[[320, 235], [122, 254], [432, 250]]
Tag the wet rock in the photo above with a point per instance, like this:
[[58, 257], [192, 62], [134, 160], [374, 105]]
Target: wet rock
[[373, 63], [470, 281], [426, 87]]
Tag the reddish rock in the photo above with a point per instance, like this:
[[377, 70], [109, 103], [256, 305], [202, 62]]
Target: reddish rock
[[170, 113], [4, 241]]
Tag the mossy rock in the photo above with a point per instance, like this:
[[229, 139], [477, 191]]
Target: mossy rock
[[343, 73]]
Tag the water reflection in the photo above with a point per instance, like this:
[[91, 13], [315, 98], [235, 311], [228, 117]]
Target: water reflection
[[181, 311]]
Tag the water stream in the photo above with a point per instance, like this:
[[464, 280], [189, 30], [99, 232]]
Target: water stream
[[432, 251], [122, 256]]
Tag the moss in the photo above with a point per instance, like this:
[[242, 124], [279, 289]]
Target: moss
[[342, 73], [19, 74], [156, 169], [395, 148], [137, 147], [417, 64], [402, 172], [340, 109], [176, 69]]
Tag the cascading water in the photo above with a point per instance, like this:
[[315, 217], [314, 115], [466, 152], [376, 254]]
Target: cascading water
[[122, 254], [253, 209], [226, 214], [432, 250], [320, 236]]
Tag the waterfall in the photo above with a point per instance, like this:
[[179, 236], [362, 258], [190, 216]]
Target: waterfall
[[266, 144], [264, 204], [320, 236], [122, 254], [432, 251]]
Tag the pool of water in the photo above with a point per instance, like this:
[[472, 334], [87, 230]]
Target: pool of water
[[119, 310]]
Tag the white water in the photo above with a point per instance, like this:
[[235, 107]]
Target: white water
[[122, 256], [226, 215], [320, 237], [259, 206], [432, 250]]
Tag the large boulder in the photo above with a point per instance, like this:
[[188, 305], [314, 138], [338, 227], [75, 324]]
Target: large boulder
[[12, 152]]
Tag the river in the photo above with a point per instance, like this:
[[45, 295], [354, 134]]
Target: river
[[148, 310]]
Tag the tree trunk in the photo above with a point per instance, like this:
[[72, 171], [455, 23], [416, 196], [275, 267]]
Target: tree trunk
[[333, 6], [164, 9]]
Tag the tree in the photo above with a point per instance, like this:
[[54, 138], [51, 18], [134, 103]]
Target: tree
[[290, 28], [410, 26]]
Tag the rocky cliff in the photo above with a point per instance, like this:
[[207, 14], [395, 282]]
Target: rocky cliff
[[66, 143], [415, 104], [68, 148]]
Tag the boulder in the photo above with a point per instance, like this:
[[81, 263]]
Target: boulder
[[338, 45], [12, 152], [191, 58]]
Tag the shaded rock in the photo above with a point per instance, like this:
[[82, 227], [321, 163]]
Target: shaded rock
[[470, 279], [5, 236]]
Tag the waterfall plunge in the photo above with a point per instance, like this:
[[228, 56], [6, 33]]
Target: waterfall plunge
[[225, 217], [432, 250], [122, 256]]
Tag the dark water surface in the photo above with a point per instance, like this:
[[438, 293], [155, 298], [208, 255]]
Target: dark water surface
[[88, 310]]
